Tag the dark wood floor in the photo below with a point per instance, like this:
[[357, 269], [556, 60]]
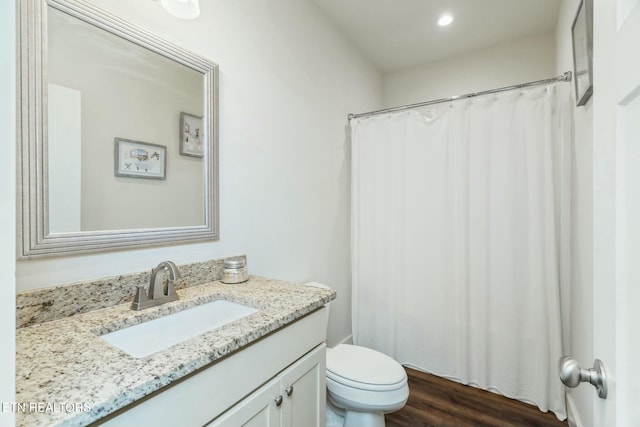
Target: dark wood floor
[[437, 402]]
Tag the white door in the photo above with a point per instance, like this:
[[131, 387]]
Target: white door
[[616, 179]]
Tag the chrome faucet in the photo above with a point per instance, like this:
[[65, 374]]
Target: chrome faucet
[[158, 292]]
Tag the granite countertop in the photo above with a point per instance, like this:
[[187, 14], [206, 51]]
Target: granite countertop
[[76, 378]]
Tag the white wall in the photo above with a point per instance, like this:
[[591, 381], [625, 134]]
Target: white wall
[[7, 207], [580, 340], [288, 80], [509, 63]]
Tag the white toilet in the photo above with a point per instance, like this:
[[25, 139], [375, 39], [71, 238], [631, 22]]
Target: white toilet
[[362, 385]]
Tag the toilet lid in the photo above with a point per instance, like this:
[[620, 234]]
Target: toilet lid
[[363, 365]]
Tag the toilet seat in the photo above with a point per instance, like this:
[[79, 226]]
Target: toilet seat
[[365, 369], [364, 386]]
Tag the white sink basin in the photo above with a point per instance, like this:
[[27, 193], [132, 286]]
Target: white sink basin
[[159, 334]]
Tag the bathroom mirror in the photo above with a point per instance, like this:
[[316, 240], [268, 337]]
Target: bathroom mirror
[[118, 134]]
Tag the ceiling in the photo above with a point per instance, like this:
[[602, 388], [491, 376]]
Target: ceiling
[[397, 34]]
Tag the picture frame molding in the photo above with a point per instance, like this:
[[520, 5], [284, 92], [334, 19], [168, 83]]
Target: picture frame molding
[[118, 170], [184, 149], [34, 237], [582, 31]]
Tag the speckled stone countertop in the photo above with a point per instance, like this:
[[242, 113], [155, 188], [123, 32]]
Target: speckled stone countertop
[[64, 362]]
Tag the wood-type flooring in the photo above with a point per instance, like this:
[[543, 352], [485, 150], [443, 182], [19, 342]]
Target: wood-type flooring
[[438, 402]]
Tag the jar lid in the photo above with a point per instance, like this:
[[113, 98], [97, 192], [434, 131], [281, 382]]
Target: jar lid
[[235, 263]]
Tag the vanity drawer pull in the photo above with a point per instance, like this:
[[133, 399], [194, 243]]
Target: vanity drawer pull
[[289, 390]]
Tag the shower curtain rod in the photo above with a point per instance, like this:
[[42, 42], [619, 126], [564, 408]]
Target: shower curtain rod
[[564, 77]]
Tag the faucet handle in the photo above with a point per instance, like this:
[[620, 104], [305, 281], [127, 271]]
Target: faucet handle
[[140, 298]]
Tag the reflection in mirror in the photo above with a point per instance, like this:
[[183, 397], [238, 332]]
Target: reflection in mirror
[[119, 146], [103, 87]]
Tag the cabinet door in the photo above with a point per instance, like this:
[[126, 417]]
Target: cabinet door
[[257, 410], [304, 390]]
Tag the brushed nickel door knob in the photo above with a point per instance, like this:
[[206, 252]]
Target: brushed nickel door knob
[[572, 374]]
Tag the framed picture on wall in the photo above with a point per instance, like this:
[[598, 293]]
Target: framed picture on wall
[[582, 38], [137, 159], [191, 137]]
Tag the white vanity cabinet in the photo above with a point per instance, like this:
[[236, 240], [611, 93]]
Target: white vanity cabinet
[[240, 389], [294, 398]]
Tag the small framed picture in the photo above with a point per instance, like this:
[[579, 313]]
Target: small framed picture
[[137, 159], [582, 38], [191, 136]]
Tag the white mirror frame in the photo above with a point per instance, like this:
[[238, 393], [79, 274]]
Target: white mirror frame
[[34, 237]]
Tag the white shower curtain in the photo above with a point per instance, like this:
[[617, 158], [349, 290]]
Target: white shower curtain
[[456, 240]]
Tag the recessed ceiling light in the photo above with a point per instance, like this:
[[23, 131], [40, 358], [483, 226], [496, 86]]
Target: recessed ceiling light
[[445, 20]]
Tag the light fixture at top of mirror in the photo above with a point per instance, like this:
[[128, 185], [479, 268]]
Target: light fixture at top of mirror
[[183, 9]]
